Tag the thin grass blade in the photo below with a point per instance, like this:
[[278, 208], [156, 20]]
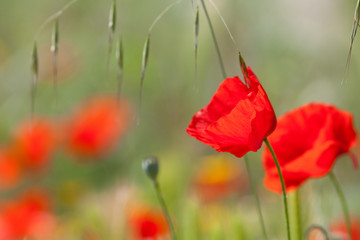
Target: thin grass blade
[[145, 54], [221, 63], [53, 17], [54, 49], [120, 65], [223, 21], [196, 38], [35, 77], [145, 57], [162, 14], [352, 38]]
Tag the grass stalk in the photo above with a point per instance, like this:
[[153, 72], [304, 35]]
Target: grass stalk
[[196, 39], [54, 49], [53, 17], [295, 215], [112, 28], [222, 67], [352, 38], [120, 65], [256, 197], [165, 209], [145, 55]]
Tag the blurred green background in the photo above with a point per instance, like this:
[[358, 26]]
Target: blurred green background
[[297, 49]]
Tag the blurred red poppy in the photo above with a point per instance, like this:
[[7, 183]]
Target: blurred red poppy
[[34, 143], [338, 229], [28, 217], [10, 170], [147, 223], [217, 177], [307, 142], [237, 119], [96, 127]]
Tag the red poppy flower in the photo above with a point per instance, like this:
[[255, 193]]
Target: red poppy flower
[[10, 170], [28, 217], [307, 142], [96, 127], [237, 119], [147, 223], [34, 143], [217, 177]]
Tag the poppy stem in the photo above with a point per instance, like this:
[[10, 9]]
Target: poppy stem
[[214, 39], [164, 208], [282, 186], [344, 205], [257, 202], [319, 228], [295, 219]]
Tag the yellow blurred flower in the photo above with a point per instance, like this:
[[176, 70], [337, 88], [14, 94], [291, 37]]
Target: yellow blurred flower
[[218, 176]]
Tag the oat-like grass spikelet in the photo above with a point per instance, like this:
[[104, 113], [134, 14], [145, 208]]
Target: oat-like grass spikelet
[[54, 49], [120, 65], [34, 77], [112, 28], [355, 27], [145, 54], [196, 38]]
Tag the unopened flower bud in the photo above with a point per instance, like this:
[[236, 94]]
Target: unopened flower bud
[[150, 166]]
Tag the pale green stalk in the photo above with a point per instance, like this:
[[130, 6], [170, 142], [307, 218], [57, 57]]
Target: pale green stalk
[[165, 209], [214, 39], [295, 215], [256, 197]]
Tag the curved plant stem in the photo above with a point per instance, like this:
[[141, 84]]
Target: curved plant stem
[[344, 205], [317, 227], [165, 209], [295, 219], [282, 186], [214, 39], [257, 202]]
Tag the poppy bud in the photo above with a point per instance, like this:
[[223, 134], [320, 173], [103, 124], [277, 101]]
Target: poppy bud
[[150, 166]]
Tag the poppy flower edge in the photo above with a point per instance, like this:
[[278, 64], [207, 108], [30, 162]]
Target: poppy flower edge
[[307, 142]]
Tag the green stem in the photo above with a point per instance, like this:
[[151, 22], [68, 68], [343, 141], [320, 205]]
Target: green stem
[[295, 219], [214, 39], [165, 209], [344, 205], [257, 202], [282, 186]]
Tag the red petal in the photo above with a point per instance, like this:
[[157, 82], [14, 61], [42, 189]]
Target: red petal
[[237, 119], [307, 142]]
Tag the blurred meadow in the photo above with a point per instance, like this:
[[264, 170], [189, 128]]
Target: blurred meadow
[[297, 49]]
